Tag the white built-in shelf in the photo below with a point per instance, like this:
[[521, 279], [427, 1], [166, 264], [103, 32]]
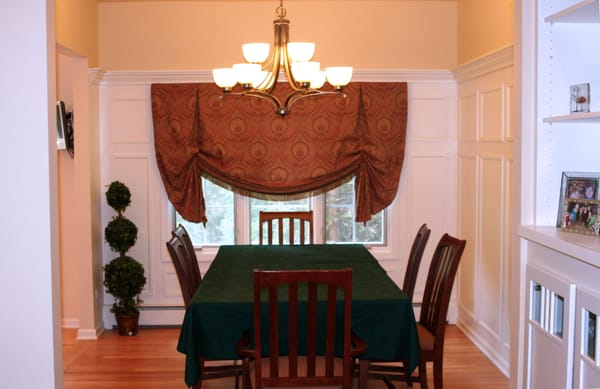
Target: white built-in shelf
[[574, 117], [585, 248], [586, 11]]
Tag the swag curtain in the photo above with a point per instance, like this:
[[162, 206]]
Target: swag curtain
[[241, 143]]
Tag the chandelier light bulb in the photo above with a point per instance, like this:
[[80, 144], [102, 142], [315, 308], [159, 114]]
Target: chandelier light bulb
[[318, 80], [305, 72], [224, 77], [301, 51], [246, 73], [261, 79], [339, 76], [255, 52]]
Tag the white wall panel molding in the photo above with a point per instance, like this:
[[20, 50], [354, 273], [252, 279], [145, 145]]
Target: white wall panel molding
[[484, 65], [484, 94], [468, 198], [508, 110], [491, 117], [468, 117]]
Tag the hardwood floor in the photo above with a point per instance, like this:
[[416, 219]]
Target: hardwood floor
[[150, 360]]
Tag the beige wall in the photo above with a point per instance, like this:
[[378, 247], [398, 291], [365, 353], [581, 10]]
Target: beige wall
[[484, 26], [77, 27], [186, 35]]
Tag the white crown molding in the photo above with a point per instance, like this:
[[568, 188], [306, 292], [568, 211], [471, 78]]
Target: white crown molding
[[181, 76], [485, 64]]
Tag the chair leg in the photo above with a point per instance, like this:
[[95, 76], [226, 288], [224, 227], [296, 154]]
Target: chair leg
[[246, 384], [363, 373], [438, 374], [423, 374]]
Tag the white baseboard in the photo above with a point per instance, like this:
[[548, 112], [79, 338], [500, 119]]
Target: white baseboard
[[70, 323], [89, 334], [483, 346]]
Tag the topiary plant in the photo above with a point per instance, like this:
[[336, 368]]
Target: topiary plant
[[124, 279], [123, 276]]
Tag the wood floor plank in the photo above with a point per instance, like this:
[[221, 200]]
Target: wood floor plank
[[150, 360]]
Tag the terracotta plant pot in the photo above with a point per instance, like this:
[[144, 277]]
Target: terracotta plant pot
[[127, 325]]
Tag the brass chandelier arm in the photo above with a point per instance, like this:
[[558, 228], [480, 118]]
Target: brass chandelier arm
[[300, 94], [283, 109]]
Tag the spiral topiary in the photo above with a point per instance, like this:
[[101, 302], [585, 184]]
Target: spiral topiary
[[123, 276]]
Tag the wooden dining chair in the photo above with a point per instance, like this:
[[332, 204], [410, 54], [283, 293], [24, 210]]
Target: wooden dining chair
[[189, 277], [432, 319], [313, 351], [414, 260], [186, 263], [290, 220], [186, 267], [181, 232]]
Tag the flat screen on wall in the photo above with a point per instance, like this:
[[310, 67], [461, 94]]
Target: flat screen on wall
[[64, 128]]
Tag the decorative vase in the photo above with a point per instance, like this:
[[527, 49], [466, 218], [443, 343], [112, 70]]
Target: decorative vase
[[127, 325]]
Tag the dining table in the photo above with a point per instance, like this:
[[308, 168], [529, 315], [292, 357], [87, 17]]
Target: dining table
[[221, 310]]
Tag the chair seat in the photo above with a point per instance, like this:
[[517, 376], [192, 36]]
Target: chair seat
[[283, 370], [426, 338]]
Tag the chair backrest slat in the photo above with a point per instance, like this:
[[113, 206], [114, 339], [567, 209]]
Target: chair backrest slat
[[303, 292], [286, 220], [414, 261]]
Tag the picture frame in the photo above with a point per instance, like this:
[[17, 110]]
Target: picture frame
[[581, 216], [577, 186], [580, 97]]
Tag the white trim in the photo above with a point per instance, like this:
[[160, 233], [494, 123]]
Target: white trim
[[168, 76], [485, 64], [89, 334], [70, 323]]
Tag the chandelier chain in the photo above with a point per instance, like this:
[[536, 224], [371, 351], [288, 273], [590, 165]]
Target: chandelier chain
[[281, 12]]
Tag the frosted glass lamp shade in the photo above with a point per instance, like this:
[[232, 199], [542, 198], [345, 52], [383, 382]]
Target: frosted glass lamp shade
[[301, 51], [255, 52], [339, 76], [246, 73], [224, 77], [305, 71], [319, 80], [260, 80]]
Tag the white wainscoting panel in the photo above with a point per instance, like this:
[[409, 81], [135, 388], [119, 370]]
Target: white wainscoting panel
[[485, 166]]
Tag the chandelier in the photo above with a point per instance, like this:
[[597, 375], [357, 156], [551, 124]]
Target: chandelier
[[259, 74]]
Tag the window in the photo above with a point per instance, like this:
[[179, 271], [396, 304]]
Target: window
[[220, 211], [338, 223], [340, 226]]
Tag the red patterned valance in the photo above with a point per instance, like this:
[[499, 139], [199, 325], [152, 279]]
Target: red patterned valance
[[240, 142]]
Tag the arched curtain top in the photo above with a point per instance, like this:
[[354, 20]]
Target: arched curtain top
[[240, 142]]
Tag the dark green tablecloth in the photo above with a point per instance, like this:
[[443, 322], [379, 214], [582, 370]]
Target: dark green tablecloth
[[221, 309]]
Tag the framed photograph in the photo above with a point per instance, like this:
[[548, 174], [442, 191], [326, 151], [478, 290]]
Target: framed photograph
[[580, 98], [577, 185], [581, 216]]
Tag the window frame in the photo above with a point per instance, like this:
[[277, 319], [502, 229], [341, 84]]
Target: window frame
[[243, 227]]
